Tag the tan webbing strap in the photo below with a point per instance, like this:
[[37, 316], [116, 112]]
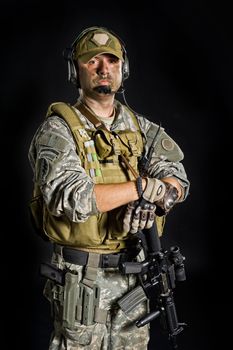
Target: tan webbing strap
[[100, 315], [67, 112], [94, 120], [91, 269]]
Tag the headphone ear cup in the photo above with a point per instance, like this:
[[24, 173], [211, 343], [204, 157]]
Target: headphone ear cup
[[77, 82], [125, 68], [72, 73], [72, 69]]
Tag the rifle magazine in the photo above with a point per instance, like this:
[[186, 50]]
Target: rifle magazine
[[132, 299]]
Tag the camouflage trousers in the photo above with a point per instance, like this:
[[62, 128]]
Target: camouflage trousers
[[118, 333]]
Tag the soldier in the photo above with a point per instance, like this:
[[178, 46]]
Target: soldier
[[86, 163]]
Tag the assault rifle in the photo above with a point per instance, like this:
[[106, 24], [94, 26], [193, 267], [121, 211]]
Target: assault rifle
[[160, 269], [157, 275]]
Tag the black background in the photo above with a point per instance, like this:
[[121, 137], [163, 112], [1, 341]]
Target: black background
[[180, 55]]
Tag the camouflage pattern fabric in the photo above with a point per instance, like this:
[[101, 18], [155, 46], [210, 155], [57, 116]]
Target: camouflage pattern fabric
[[64, 183], [118, 333]]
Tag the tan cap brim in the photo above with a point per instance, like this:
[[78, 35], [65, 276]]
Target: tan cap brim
[[98, 51]]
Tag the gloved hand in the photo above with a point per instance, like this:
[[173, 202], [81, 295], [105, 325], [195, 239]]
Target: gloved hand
[[169, 199], [162, 193], [138, 217]]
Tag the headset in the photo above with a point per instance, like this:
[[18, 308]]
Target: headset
[[68, 55]]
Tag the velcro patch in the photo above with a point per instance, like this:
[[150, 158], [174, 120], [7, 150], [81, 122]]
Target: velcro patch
[[167, 144]]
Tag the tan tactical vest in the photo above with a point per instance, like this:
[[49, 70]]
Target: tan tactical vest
[[99, 152]]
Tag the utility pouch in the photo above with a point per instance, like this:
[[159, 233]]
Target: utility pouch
[[91, 298], [132, 299], [131, 143], [71, 293], [80, 302], [103, 143]]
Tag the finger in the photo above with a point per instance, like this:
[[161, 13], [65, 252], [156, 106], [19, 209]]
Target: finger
[[150, 220], [143, 219], [128, 217], [150, 216], [135, 220]]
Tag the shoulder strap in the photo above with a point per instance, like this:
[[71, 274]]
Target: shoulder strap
[[66, 111], [69, 114], [95, 121]]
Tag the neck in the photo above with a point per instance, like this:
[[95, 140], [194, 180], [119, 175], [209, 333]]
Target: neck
[[101, 107]]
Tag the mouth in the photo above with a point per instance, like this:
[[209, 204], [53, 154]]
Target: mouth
[[103, 82]]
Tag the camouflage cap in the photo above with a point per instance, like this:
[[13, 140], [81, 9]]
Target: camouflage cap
[[97, 42]]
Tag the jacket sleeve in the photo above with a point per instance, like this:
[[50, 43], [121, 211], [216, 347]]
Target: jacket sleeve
[[166, 156], [66, 187]]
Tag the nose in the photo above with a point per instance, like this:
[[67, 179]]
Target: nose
[[103, 67]]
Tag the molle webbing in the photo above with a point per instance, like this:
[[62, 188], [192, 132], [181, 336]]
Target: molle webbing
[[101, 169]]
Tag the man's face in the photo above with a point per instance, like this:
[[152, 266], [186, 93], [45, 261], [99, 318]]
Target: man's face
[[102, 70]]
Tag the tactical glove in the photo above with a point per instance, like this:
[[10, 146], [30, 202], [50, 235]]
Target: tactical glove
[[163, 194], [169, 199], [138, 216]]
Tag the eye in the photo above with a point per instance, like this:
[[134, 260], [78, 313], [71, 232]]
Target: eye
[[113, 59], [92, 61]]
